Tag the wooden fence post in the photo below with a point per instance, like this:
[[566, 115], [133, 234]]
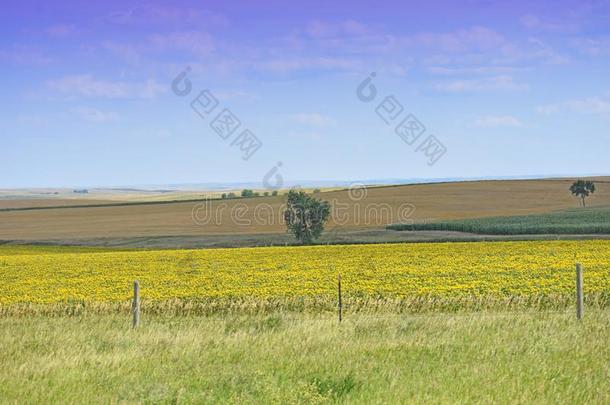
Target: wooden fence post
[[136, 304], [579, 295], [340, 302]]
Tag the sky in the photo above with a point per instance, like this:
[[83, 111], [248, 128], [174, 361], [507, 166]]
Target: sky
[[277, 91]]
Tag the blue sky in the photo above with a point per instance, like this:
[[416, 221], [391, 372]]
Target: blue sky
[[505, 88]]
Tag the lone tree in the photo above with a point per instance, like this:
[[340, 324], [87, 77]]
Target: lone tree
[[582, 189], [305, 216]]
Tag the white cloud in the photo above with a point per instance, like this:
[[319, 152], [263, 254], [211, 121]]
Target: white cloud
[[234, 95], [344, 37], [488, 121], [496, 83], [542, 51], [61, 30], [472, 39], [480, 46], [592, 105], [593, 46], [25, 55], [166, 14], [312, 136], [354, 36], [477, 44], [94, 115], [195, 42], [549, 108], [87, 86], [536, 23], [313, 119], [392, 69], [473, 70], [297, 64], [128, 52], [321, 29]]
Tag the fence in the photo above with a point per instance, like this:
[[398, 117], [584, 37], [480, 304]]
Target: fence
[[578, 287]]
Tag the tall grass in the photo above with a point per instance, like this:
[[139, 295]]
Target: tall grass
[[526, 357], [576, 221], [314, 305]]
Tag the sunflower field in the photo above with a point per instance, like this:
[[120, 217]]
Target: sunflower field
[[397, 276]]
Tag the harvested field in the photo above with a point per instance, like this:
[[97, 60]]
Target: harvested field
[[375, 208]]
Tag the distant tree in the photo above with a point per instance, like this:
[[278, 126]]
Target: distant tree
[[266, 194], [247, 193], [316, 190], [582, 189], [231, 195], [305, 216], [274, 193], [223, 196]]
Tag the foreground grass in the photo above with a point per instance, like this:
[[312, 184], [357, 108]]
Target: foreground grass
[[574, 221], [526, 357]]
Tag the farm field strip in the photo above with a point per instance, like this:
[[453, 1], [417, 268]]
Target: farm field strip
[[451, 272], [574, 221]]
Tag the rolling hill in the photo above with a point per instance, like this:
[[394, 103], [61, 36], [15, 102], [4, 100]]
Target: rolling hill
[[357, 209]]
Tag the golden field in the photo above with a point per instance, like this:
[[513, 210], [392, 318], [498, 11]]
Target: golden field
[[405, 273], [440, 201]]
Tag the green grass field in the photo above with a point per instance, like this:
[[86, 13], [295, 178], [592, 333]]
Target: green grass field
[[510, 336], [575, 221], [480, 357]]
